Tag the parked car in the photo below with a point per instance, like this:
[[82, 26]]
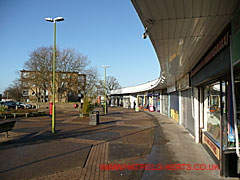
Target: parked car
[[11, 104], [25, 106], [28, 106], [20, 105]]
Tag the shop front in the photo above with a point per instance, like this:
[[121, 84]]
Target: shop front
[[154, 101], [186, 104], [158, 102], [219, 118], [174, 102], [140, 101], [213, 79], [114, 101], [165, 102], [126, 101]]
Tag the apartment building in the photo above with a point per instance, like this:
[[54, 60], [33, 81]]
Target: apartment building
[[37, 86]]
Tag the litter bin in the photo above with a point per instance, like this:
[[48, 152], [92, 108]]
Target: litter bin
[[94, 118]]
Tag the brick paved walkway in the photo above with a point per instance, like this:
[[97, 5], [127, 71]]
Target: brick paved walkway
[[77, 149], [98, 155]]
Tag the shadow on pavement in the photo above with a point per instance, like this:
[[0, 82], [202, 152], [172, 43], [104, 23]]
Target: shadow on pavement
[[47, 136]]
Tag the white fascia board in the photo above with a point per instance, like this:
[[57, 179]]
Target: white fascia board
[[139, 88]]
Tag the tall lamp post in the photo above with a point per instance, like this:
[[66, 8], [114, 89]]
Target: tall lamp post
[[105, 67], [54, 55]]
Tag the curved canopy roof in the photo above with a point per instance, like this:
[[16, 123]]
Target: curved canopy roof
[[139, 88], [181, 31]]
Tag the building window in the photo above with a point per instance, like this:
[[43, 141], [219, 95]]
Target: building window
[[25, 84], [63, 76], [25, 93], [25, 74], [33, 93]]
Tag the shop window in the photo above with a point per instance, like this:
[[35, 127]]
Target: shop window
[[212, 109], [228, 113], [237, 93]]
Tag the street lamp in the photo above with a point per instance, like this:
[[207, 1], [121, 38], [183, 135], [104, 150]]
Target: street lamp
[[105, 66], [7, 95], [54, 54]]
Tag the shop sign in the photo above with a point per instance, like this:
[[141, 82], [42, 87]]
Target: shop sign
[[236, 38], [212, 146], [155, 94], [171, 89], [183, 83], [218, 47]]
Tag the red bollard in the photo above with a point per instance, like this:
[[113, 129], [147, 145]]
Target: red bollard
[[51, 107]]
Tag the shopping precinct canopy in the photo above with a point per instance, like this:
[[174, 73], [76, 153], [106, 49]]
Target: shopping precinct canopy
[[182, 31], [139, 88]]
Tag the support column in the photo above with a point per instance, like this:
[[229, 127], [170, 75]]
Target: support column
[[196, 114], [161, 102], [169, 105], [180, 107]]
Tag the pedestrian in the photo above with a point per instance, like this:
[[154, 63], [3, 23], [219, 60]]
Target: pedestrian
[[134, 105]]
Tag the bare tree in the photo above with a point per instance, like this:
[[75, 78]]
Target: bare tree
[[40, 62], [92, 84], [69, 62], [111, 84], [13, 91]]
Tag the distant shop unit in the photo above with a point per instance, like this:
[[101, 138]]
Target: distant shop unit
[[186, 114], [140, 101], [165, 102], [153, 99], [174, 102], [187, 110]]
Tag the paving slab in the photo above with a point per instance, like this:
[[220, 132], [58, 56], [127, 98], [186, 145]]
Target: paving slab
[[79, 151]]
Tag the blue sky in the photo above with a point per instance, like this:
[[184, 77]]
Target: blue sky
[[107, 31]]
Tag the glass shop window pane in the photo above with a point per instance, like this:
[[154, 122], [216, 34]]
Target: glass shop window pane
[[213, 110], [237, 94], [225, 120]]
